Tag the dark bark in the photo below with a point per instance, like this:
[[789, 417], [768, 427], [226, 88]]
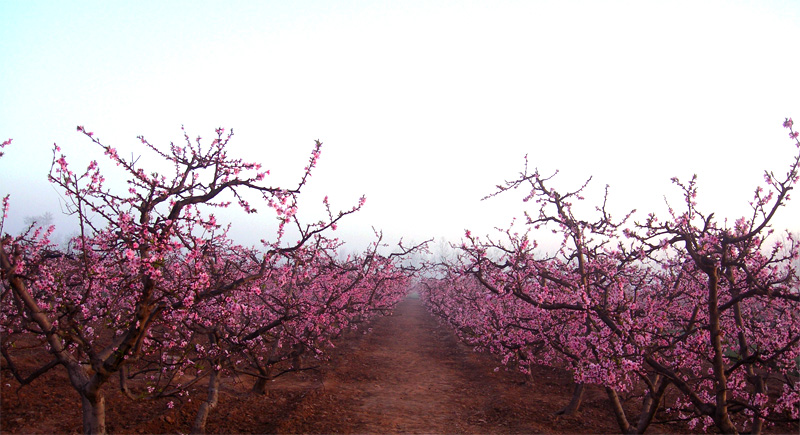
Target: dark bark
[[721, 416], [574, 403], [260, 386], [123, 383], [651, 402]]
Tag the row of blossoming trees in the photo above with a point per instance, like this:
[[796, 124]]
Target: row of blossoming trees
[[685, 318], [153, 294]]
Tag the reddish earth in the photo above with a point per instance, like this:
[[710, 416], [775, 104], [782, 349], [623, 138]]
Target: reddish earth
[[408, 375]]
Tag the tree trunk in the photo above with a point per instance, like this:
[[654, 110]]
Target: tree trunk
[[94, 413], [123, 383], [759, 387], [651, 402], [529, 375], [260, 386], [721, 416], [616, 405], [574, 403], [199, 426]]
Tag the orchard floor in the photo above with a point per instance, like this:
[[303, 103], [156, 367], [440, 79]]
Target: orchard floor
[[408, 374]]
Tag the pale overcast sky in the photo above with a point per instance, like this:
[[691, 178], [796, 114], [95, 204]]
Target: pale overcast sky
[[422, 106]]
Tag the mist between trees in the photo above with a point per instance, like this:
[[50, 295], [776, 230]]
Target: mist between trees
[[679, 317]]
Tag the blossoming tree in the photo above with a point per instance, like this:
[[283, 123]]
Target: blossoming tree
[[689, 305], [95, 307]]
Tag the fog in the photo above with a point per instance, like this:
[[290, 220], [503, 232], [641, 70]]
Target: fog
[[423, 107]]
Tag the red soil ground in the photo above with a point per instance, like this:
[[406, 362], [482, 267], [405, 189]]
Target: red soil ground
[[409, 374]]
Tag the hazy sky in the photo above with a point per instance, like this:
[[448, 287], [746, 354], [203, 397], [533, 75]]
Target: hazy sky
[[422, 106]]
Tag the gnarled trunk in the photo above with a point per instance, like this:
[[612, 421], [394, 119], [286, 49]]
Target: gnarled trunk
[[651, 402], [260, 386], [199, 426], [616, 405], [574, 403], [94, 412], [721, 416]]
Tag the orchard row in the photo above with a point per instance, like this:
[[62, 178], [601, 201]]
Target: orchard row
[[154, 295], [678, 319]]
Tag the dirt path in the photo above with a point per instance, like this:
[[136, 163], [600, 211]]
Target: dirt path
[[411, 378], [410, 375]]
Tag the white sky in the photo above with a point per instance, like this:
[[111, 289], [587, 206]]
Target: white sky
[[422, 106]]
